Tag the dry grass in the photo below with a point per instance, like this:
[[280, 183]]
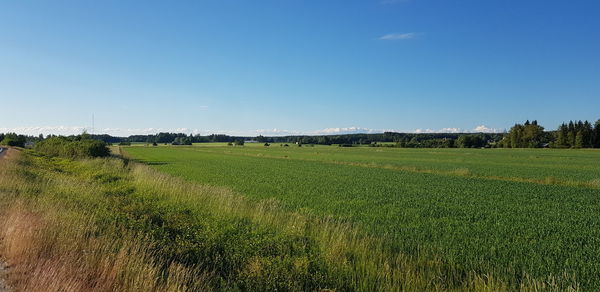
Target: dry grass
[[595, 183], [461, 172], [48, 253], [50, 250]]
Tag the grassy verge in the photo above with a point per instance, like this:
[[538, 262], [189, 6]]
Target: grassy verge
[[105, 224]]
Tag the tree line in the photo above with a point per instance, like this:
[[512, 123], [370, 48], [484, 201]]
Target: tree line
[[578, 135], [574, 134], [412, 140]]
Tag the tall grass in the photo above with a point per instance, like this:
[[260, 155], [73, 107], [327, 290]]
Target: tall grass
[[50, 248], [108, 225]]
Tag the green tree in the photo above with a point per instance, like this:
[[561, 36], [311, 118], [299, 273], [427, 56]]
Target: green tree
[[14, 140], [572, 133], [571, 138], [84, 136], [324, 140], [587, 132], [470, 141], [579, 138], [597, 134], [561, 136], [532, 135], [529, 135]]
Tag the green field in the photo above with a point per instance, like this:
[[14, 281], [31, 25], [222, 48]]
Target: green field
[[510, 213]]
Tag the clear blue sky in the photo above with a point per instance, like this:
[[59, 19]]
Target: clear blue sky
[[299, 66]]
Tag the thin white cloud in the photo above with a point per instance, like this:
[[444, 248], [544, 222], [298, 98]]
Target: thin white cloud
[[442, 130], [484, 129], [349, 130], [276, 132], [326, 131], [359, 130], [399, 36], [34, 130], [73, 130], [478, 129]]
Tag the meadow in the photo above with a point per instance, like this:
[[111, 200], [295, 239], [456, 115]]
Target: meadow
[[510, 214]]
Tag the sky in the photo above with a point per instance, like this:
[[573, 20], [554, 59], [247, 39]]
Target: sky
[[296, 67]]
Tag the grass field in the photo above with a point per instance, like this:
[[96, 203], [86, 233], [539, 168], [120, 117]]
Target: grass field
[[508, 213]]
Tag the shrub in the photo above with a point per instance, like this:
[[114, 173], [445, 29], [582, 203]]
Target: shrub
[[66, 147], [14, 140]]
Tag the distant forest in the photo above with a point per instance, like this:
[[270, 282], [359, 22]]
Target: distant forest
[[574, 134]]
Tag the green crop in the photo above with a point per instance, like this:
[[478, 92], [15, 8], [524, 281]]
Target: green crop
[[503, 212]]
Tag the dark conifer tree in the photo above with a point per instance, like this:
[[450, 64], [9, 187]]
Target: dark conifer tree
[[562, 136], [579, 139], [597, 135]]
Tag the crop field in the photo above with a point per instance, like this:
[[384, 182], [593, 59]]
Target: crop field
[[510, 213]]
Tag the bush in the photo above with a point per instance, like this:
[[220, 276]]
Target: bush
[[14, 140], [125, 144], [66, 147]]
